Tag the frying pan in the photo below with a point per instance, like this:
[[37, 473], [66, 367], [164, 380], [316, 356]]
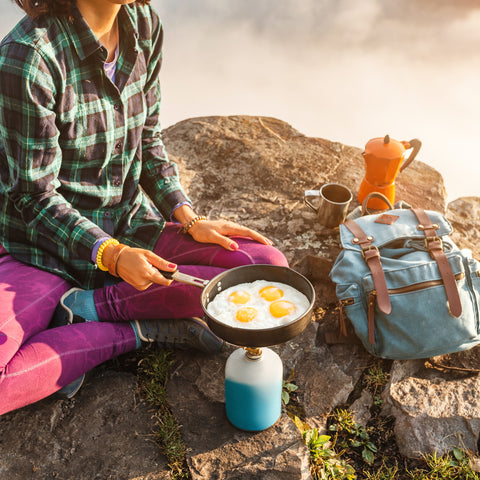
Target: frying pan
[[245, 337]]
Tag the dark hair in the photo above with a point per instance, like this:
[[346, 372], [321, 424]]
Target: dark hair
[[37, 8]]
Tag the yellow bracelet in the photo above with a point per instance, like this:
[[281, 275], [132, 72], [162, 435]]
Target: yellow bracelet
[[187, 226], [110, 241]]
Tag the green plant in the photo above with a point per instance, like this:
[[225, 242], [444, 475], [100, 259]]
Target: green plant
[[375, 379], [153, 374], [358, 436], [383, 473], [451, 466], [325, 462], [287, 389]]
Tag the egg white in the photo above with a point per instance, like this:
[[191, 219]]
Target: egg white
[[223, 310]]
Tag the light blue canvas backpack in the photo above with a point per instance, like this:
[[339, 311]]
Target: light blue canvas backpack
[[407, 289]]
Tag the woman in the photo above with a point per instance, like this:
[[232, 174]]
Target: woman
[[91, 207]]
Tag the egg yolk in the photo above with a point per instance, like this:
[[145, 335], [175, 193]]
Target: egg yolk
[[281, 308], [246, 314], [239, 298], [271, 293]]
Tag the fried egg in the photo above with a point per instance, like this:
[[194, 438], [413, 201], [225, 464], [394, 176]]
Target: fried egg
[[259, 304]]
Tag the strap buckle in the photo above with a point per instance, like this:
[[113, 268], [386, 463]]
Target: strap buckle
[[431, 241], [369, 248]]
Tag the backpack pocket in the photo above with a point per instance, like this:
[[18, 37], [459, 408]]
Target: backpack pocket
[[420, 324]]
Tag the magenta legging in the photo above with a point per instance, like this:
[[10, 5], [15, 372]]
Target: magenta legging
[[36, 361]]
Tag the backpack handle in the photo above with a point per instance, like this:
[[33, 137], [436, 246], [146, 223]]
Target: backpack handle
[[380, 196]]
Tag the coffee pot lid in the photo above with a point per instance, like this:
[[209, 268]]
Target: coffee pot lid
[[385, 147]]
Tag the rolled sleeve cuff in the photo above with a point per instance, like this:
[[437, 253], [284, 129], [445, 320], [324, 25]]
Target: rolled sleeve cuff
[[172, 215], [96, 247]]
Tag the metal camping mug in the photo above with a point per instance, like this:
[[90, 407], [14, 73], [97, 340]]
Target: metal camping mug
[[334, 200]]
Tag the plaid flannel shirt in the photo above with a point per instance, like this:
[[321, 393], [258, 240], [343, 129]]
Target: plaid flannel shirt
[[81, 157]]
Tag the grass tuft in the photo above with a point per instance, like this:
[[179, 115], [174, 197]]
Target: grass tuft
[[154, 369]]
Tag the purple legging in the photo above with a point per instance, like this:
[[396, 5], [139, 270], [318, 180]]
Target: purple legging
[[36, 361]]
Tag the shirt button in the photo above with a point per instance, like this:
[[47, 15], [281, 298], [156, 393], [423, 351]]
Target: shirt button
[[117, 182], [117, 106], [118, 146], [107, 214]]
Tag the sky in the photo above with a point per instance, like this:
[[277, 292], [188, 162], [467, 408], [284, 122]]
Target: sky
[[342, 70]]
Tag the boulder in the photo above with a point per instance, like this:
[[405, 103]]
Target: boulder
[[434, 410], [464, 215], [255, 170]]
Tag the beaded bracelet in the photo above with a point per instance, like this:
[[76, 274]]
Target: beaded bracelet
[[117, 250], [187, 226], [110, 241]]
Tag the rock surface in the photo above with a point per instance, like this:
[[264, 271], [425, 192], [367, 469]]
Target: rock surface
[[104, 433], [464, 215], [253, 170], [434, 410]]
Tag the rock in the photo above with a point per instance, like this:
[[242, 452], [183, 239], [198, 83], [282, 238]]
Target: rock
[[255, 170], [361, 408], [464, 215], [279, 453], [434, 411], [104, 432]]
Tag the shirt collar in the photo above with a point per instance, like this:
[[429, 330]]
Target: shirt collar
[[85, 41]]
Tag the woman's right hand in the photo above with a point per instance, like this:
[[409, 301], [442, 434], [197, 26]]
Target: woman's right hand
[[139, 267]]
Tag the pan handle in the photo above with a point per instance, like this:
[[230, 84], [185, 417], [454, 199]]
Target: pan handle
[[184, 278], [166, 274]]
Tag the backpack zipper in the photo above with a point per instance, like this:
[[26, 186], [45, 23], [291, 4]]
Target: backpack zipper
[[421, 285], [409, 288]]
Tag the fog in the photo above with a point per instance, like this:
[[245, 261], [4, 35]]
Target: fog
[[343, 70]]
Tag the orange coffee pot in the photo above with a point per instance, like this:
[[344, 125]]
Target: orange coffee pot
[[384, 159]]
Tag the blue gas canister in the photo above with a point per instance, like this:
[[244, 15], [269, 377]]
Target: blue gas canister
[[253, 388]]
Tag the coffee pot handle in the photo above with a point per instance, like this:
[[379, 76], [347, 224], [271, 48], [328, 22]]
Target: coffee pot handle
[[415, 144]]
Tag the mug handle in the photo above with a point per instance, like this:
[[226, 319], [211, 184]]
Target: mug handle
[[415, 143], [311, 193]]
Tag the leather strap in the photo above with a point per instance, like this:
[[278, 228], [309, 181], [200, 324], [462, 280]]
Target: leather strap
[[371, 319], [372, 257], [435, 247], [342, 328]]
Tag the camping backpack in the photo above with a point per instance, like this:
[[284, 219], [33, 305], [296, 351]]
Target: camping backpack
[[407, 289]]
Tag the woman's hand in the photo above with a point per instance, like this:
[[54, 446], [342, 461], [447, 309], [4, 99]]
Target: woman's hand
[[220, 231], [139, 267], [217, 231]]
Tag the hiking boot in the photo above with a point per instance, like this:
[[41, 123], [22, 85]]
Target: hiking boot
[[63, 314], [70, 390], [179, 333]]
